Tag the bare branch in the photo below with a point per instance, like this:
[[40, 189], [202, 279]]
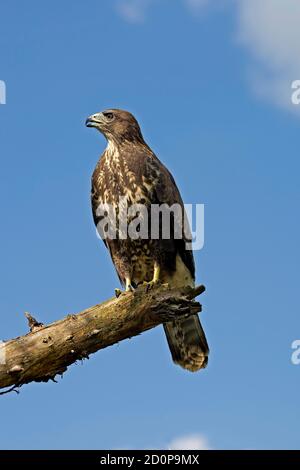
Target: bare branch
[[48, 350], [32, 322]]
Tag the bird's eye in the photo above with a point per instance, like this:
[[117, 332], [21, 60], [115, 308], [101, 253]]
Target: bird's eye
[[109, 116]]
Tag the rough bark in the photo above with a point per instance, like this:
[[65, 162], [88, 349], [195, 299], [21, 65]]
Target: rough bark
[[48, 350]]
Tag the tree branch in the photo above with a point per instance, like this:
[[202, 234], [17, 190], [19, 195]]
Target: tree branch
[[48, 350]]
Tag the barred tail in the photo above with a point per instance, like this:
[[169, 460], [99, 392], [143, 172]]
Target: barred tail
[[187, 343]]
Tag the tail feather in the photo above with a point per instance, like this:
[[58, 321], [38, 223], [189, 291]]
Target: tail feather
[[187, 343]]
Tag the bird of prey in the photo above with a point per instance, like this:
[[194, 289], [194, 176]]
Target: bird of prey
[[129, 169]]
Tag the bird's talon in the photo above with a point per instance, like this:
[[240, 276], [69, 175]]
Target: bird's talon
[[118, 292], [149, 285], [129, 288]]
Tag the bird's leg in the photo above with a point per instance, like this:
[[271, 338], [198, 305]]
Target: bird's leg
[[156, 276], [128, 285], [156, 273]]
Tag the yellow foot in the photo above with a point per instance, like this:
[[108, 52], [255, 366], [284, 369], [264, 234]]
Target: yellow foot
[[155, 281], [129, 288]]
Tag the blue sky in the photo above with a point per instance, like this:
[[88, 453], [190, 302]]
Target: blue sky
[[210, 87]]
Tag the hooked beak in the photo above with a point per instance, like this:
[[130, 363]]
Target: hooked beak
[[95, 120]]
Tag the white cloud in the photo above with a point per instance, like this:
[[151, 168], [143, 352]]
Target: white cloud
[[189, 442], [185, 442], [270, 30], [133, 11], [196, 5]]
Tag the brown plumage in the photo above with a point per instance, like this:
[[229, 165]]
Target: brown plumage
[[129, 169]]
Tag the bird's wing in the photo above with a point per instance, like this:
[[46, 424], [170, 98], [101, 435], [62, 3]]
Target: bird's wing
[[166, 191]]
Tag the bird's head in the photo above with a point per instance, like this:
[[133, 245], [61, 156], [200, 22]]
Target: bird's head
[[116, 125]]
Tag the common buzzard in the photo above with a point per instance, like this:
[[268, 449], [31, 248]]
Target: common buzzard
[[128, 170]]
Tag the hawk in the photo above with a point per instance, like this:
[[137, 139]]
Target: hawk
[[129, 169]]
